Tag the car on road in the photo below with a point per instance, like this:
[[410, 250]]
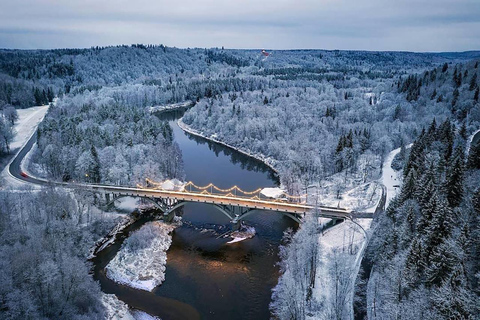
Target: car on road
[[23, 174]]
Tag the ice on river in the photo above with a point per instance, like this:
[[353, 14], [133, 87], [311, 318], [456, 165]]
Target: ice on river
[[141, 261]]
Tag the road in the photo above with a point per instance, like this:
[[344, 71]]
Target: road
[[294, 208]]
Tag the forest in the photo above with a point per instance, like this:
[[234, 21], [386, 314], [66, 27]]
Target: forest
[[424, 253], [311, 114]]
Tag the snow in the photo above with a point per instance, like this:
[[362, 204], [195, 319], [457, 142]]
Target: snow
[[346, 239], [127, 204], [272, 192], [141, 261], [350, 238], [28, 120], [170, 106], [336, 236], [140, 315], [246, 232], [24, 128], [174, 184], [469, 142], [391, 179], [118, 310]]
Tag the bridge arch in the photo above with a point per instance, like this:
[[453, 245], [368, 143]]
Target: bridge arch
[[289, 215], [168, 209]]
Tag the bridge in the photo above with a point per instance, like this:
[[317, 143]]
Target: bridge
[[235, 206]]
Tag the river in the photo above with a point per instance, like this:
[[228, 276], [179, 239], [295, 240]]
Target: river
[[207, 278]]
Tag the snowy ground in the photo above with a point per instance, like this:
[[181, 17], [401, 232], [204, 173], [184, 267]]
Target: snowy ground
[[345, 243], [391, 179], [358, 195], [27, 123], [28, 120], [141, 261], [469, 142], [118, 310], [341, 244]]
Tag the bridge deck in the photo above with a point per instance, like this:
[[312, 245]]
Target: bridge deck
[[289, 207]]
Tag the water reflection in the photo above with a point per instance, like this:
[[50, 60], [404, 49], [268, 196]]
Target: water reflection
[[243, 162]]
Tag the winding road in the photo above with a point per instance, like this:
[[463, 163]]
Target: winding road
[[293, 210]]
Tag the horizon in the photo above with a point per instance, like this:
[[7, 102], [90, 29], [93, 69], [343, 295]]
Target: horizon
[[240, 49], [372, 25]]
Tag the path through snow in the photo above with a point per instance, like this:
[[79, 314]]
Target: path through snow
[[346, 241]]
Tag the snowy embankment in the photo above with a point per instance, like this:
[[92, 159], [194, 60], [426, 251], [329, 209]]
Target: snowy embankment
[[141, 261], [118, 310], [266, 160], [341, 248], [391, 179], [24, 128], [469, 143], [341, 253], [28, 120]]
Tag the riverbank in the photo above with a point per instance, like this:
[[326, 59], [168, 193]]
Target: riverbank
[[142, 260], [271, 163]]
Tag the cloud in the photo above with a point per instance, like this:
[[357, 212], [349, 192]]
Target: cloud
[[439, 25]]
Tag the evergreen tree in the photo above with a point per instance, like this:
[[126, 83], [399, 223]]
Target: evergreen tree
[[473, 161], [473, 82], [95, 166], [440, 224], [463, 131], [414, 263], [408, 187], [441, 263], [454, 180], [445, 67]]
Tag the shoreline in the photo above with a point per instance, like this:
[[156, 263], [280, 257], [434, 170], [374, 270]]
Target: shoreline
[[185, 127]]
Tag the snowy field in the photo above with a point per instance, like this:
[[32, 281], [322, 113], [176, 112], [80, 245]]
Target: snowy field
[[141, 261]]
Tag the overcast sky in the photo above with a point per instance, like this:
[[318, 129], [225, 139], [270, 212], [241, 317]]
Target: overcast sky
[[411, 25]]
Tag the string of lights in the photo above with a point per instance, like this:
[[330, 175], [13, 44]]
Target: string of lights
[[187, 187]]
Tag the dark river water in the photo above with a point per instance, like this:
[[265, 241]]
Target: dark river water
[[206, 278]]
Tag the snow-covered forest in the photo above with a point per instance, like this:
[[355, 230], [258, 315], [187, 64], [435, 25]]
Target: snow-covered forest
[[423, 258], [315, 129], [45, 237], [311, 114]]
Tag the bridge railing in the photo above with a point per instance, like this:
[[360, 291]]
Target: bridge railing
[[232, 192]]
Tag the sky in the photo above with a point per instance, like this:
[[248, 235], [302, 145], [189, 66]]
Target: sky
[[400, 25]]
